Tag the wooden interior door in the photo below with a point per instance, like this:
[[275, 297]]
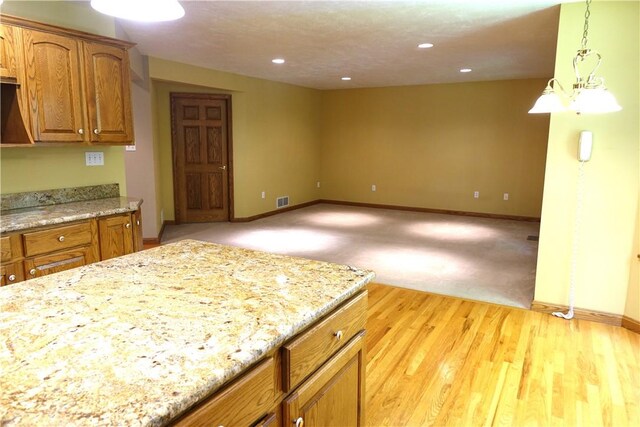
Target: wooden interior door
[[55, 87], [200, 135]]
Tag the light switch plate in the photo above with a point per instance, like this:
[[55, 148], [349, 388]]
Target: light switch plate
[[130, 148], [94, 158]]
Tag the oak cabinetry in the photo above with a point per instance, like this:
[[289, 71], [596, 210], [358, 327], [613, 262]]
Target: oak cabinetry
[[7, 53], [11, 273], [138, 240], [324, 367], [59, 261], [75, 86], [11, 268], [116, 236]]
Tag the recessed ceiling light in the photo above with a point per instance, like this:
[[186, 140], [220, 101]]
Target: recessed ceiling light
[[346, 78], [465, 70], [278, 61], [144, 11], [425, 45]]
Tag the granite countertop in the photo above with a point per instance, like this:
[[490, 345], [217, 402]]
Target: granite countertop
[[38, 216], [139, 339]]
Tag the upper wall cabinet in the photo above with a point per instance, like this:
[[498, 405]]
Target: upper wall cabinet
[[74, 86]]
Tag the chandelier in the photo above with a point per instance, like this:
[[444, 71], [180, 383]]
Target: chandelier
[[589, 95]]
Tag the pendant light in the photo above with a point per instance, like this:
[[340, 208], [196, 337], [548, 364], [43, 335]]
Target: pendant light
[[589, 96], [140, 10]]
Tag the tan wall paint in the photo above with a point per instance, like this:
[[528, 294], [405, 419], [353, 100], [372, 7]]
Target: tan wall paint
[[43, 168], [607, 249], [276, 135], [432, 146]]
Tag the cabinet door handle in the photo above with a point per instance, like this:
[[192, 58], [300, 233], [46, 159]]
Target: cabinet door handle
[[299, 422], [128, 225], [61, 239], [81, 131], [96, 131], [338, 335], [12, 277], [224, 168], [32, 272]]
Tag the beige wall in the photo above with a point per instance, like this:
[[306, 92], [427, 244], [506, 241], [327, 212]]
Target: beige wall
[[276, 135], [42, 168], [432, 146], [608, 226]]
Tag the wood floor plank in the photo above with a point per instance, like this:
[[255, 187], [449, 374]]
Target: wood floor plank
[[435, 360]]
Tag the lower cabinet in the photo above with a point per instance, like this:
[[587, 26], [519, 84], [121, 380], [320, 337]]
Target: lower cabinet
[[42, 251], [331, 393]]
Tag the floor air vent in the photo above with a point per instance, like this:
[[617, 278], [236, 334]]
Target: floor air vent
[[281, 202]]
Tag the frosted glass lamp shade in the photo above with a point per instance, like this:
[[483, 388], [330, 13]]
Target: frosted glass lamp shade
[[595, 101], [549, 102], [140, 10]]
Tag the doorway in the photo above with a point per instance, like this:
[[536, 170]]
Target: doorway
[[201, 146]]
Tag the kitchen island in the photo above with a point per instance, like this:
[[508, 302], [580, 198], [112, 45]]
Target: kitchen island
[[140, 339]]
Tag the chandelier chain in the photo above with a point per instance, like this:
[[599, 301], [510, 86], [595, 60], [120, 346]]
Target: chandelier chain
[[585, 33]]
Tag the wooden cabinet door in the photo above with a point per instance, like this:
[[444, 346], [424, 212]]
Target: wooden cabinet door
[[138, 242], [53, 81], [334, 394], [11, 273], [108, 93], [59, 261], [116, 236], [8, 59]]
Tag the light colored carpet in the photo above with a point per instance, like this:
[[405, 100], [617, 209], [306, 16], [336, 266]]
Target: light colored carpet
[[476, 258]]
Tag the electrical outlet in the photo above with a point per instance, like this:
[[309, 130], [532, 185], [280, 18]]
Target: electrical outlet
[[94, 158], [373, 187], [263, 194], [476, 194], [318, 184], [505, 196], [130, 148]]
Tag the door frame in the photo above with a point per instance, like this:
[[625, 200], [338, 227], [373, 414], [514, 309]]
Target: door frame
[[206, 96]]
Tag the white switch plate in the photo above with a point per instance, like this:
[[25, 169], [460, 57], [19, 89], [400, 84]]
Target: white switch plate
[[130, 148], [476, 194], [94, 158], [505, 196], [373, 187], [263, 195]]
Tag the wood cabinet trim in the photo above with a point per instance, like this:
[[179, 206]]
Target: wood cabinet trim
[[40, 26], [58, 238]]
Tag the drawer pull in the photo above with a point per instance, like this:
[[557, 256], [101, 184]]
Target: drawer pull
[[299, 422], [32, 272], [128, 225], [338, 335], [81, 131], [12, 277], [61, 239], [96, 131]]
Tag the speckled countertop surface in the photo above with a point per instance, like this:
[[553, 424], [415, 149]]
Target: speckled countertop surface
[[137, 340], [25, 218]]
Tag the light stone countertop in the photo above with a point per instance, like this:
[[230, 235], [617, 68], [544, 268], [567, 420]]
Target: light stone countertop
[[139, 339], [26, 218]]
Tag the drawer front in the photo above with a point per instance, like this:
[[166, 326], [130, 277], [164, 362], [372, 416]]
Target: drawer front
[[11, 273], [55, 239], [243, 403], [304, 354], [59, 261]]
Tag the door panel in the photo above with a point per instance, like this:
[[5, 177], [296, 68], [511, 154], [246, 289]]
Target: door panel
[[200, 149], [116, 236], [54, 84]]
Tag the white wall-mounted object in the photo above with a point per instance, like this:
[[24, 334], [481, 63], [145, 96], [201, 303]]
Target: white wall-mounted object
[[585, 146], [94, 158]]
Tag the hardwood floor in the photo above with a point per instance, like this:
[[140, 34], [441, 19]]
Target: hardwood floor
[[435, 360]]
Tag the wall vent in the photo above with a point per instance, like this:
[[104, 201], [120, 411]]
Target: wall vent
[[281, 202]]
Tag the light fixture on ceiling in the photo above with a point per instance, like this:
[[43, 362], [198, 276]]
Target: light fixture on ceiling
[[140, 10], [588, 96], [465, 70], [345, 78], [278, 61], [425, 45]]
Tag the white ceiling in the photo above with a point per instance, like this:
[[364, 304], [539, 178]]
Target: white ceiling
[[373, 42]]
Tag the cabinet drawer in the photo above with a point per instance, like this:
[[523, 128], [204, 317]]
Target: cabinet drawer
[[306, 353], [242, 403], [60, 261], [55, 239], [11, 273]]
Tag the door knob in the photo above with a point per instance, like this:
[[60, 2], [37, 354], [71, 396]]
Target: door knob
[[32, 272], [12, 277], [223, 167]]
